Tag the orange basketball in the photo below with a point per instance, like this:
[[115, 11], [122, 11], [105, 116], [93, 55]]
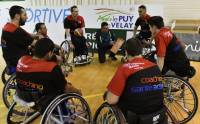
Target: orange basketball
[[78, 32]]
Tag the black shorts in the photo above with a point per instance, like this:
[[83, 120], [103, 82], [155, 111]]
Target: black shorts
[[181, 69]]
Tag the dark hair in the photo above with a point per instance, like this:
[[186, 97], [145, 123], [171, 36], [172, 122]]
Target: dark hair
[[133, 47], [142, 7], [38, 26], [156, 21], [104, 24], [42, 47], [15, 10], [73, 7]]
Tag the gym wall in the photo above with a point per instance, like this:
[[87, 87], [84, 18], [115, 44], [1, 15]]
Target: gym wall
[[176, 9], [79, 2]]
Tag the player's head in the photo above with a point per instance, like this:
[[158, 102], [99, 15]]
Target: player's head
[[74, 11], [104, 27], [156, 23], [41, 28], [142, 10], [44, 48], [133, 47], [18, 13]]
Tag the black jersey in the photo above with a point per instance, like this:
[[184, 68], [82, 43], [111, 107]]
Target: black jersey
[[15, 42], [138, 83], [45, 78], [73, 24]]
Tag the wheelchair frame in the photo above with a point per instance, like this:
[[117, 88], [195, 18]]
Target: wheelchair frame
[[51, 107], [169, 97]]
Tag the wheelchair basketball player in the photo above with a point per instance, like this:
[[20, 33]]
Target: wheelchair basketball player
[[137, 88]]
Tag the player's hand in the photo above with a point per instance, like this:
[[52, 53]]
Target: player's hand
[[35, 36], [87, 44], [71, 46], [112, 43]]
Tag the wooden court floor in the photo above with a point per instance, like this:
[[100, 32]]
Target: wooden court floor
[[93, 79]]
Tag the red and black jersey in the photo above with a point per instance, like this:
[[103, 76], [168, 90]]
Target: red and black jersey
[[138, 83], [143, 23], [39, 75], [15, 42], [168, 46], [72, 24]]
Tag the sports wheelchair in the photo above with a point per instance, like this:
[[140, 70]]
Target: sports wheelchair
[[180, 101], [9, 88], [64, 109], [6, 74], [70, 56]]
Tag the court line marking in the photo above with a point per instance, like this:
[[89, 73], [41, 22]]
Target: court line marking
[[2, 106], [94, 95]]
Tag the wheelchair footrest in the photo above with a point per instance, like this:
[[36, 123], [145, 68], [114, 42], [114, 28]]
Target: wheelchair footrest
[[22, 102]]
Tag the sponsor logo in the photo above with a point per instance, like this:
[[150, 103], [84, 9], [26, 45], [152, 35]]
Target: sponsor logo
[[147, 80], [116, 18]]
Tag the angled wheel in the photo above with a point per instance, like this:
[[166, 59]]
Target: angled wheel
[[67, 108], [9, 90], [5, 76], [18, 114], [68, 57], [180, 98], [67, 52], [109, 114]]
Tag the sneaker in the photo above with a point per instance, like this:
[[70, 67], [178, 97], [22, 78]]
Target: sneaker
[[78, 60], [84, 58], [113, 58]]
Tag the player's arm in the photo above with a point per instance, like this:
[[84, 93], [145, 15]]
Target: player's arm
[[137, 23], [98, 38], [67, 34], [113, 37], [58, 79], [116, 87], [61, 84], [23, 38], [135, 30], [112, 98], [67, 29], [161, 51], [160, 62], [83, 26]]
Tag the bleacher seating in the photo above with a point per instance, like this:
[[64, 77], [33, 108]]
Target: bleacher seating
[[186, 25]]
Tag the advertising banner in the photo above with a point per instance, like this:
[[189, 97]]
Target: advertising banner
[[192, 45], [118, 17]]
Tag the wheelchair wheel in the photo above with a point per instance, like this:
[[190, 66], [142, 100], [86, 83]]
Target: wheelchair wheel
[[68, 55], [9, 90], [4, 76], [171, 118], [109, 114], [67, 108], [26, 114], [180, 98]]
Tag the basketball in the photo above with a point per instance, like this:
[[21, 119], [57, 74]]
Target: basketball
[[78, 32]]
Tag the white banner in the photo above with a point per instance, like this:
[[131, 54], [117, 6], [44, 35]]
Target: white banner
[[118, 17]]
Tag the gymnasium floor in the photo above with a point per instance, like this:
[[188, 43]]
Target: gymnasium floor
[[93, 79]]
